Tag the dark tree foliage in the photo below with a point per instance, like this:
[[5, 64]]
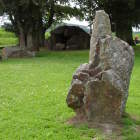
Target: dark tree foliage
[[31, 18], [88, 8], [123, 14]]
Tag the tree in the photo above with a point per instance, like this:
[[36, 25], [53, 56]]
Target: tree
[[31, 18], [123, 14], [25, 16], [88, 8]]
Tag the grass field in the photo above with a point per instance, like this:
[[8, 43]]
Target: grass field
[[33, 93], [7, 38]]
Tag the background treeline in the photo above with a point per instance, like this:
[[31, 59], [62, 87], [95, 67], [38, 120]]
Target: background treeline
[[31, 18]]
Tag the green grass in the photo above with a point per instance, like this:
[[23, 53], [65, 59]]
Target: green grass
[[33, 93], [7, 38], [131, 129], [32, 98]]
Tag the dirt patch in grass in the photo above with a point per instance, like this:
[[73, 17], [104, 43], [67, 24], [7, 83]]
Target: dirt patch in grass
[[130, 125]]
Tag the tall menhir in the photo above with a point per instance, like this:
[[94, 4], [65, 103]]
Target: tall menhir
[[99, 89]]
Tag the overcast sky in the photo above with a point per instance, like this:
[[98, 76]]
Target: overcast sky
[[72, 21], [75, 21]]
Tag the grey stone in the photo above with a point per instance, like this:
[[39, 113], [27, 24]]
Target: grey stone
[[102, 28], [103, 84], [59, 46], [16, 52]]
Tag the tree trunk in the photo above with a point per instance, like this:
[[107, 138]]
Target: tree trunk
[[29, 40], [35, 35], [124, 31], [36, 42], [22, 41], [41, 36], [32, 41]]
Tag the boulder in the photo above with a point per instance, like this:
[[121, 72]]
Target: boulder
[[16, 52], [99, 89], [59, 46]]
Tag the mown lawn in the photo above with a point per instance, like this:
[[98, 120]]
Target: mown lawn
[[33, 93], [32, 98], [7, 38]]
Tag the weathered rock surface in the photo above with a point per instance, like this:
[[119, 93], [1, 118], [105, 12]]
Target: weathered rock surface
[[99, 90], [16, 52]]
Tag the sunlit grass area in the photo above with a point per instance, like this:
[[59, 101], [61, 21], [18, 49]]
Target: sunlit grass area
[[33, 93], [7, 38], [32, 97]]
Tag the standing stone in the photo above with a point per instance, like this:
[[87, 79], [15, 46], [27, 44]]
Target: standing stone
[[102, 27], [99, 89]]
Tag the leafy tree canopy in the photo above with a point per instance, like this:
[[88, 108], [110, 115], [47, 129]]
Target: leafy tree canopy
[[123, 13], [33, 17]]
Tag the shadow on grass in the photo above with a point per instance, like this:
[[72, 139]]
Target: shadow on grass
[[131, 128], [128, 129]]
